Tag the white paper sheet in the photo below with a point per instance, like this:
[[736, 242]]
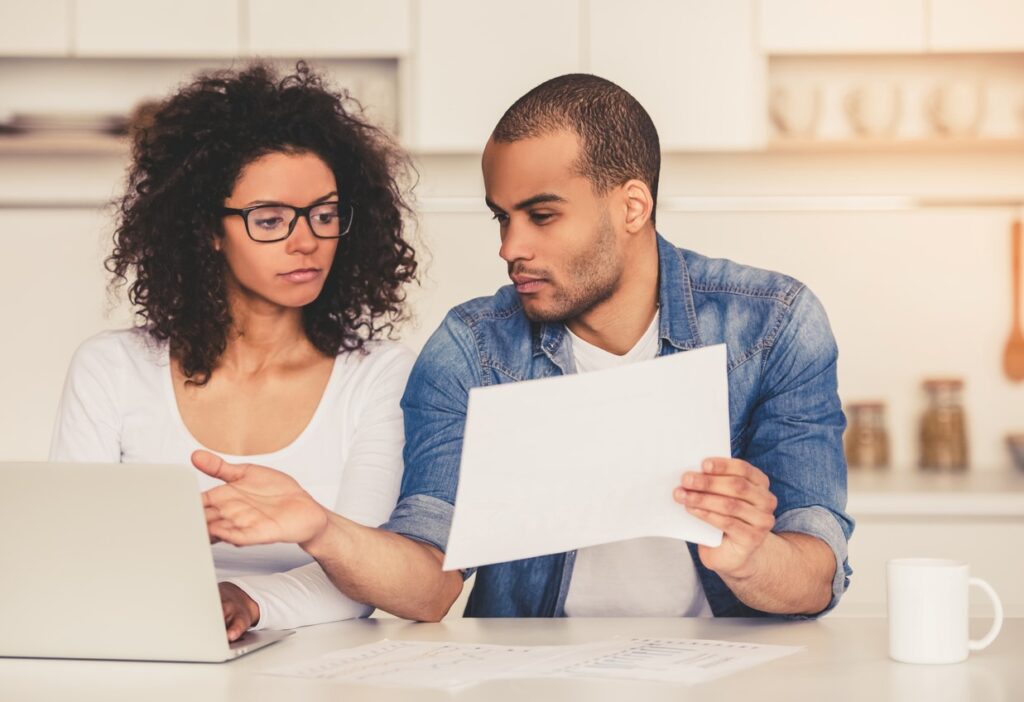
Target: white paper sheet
[[686, 661], [440, 665], [432, 664], [563, 463]]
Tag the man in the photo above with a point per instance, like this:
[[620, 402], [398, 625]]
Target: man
[[571, 175]]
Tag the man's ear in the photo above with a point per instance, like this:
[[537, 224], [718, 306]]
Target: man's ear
[[639, 205]]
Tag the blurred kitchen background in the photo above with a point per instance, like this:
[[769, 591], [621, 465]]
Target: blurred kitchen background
[[872, 148]]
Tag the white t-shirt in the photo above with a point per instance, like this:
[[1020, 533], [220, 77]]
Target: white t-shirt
[[649, 577], [118, 406]]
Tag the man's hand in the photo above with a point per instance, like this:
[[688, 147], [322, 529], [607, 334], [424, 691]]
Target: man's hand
[[257, 505], [732, 495], [240, 611]]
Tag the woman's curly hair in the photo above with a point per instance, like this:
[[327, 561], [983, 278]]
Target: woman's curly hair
[[185, 163]]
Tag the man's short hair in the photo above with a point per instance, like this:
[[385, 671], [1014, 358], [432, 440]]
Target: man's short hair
[[618, 140]]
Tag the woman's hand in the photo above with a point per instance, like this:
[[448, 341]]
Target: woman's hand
[[257, 505], [241, 612]]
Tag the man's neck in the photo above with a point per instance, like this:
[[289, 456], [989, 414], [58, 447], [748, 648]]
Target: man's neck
[[616, 324]]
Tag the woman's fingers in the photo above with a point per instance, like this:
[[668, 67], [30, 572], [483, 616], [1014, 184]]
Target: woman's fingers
[[236, 628], [237, 617]]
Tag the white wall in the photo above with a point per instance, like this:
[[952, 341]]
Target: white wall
[[910, 293]]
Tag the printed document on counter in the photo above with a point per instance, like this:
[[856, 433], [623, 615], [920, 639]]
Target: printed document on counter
[[440, 665]]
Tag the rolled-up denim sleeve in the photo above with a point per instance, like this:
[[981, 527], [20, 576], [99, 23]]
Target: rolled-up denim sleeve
[[822, 523], [797, 433], [434, 406]]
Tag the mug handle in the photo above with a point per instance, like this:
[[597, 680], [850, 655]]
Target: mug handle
[[997, 625]]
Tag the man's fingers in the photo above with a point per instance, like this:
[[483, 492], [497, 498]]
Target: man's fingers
[[737, 530], [218, 496], [734, 466], [222, 506], [216, 467], [237, 514], [217, 523], [237, 535], [212, 515], [729, 507], [729, 486], [226, 531]]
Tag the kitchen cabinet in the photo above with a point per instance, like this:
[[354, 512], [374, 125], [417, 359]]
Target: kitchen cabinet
[[463, 81], [48, 309], [984, 543], [843, 26], [35, 28], [976, 25], [156, 28], [694, 66], [334, 28], [975, 517]]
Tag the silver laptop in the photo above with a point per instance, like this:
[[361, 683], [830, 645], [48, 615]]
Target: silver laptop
[[109, 561]]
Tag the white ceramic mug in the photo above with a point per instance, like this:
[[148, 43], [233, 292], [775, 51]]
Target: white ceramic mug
[[928, 611]]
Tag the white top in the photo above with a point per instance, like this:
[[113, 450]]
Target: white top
[[649, 577], [118, 405]]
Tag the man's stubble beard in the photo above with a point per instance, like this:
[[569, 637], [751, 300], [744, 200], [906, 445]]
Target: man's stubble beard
[[594, 277]]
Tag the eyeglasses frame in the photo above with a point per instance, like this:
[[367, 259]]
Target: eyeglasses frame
[[304, 212]]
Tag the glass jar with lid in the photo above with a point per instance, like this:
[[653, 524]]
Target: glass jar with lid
[[943, 426], [866, 440]]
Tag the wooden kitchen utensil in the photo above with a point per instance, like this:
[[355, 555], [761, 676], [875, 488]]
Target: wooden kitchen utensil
[[1013, 354]]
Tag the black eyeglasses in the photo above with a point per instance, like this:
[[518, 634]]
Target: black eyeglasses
[[269, 223]]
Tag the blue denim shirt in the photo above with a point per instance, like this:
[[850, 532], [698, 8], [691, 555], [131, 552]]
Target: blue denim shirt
[[784, 410]]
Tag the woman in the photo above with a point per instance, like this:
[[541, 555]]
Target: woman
[[263, 229]]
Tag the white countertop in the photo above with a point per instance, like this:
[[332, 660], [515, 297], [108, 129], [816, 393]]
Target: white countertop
[[915, 493], [844, 659]]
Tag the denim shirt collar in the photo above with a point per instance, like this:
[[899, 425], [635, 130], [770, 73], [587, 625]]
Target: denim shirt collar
[[677, 324]]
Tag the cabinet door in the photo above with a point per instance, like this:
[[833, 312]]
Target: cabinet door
[[976, 540], [335, 28], [156, 28], [47, 310], [842, 26], [976, 25], [474, 59], [692, 64], [35, 28]]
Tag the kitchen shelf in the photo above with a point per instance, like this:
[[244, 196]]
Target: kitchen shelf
[[876, 145], [69, 144], [991, 494]]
